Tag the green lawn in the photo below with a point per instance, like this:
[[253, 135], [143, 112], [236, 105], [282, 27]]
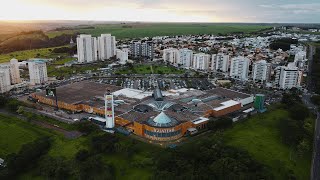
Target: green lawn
[[14, 133], [27, 54], [259, 136], [63, 61], [146, 69]]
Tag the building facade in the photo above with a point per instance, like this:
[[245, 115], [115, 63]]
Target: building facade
[[87, 48], [122, 55], [186, 56], [37, 72], [201, 61], [139, 49], [5, 83], [239, 68], [261, 71], [14, 72], [106, 46], [147, 49], [171, 55], [135, 49], [220, 62], [287, 77]]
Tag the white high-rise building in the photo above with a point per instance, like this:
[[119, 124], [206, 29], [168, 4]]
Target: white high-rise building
[[186, 56], [201, 61], [261, 71], [122, 55], [87, 48], [288, 77], [37, 72], [300, 56], [106, 46], [5, 84], [171, 55], [220, 62], [14, 71], [239, 68]]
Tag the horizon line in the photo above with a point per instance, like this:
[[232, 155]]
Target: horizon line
[[199, 22]]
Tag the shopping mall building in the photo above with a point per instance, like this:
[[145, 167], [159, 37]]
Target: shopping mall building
[[158, 116]]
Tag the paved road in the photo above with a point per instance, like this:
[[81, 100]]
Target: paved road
[[315, 166]]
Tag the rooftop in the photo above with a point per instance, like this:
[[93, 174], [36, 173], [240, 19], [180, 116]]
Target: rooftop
[[81, 91]]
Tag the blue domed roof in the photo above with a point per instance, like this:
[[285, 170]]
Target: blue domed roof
[[162, 118]]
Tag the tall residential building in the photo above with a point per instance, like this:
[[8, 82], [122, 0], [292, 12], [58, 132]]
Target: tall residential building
[[201, 61], [37, 72], [220, 62], [87, 48], [135, 49], [171, 55], [300, 56], [122, 55], [14, 71], [261, 71], [288, 77], [239, 68], [186, 56], [5, 84], [106, 46], [145, 49]]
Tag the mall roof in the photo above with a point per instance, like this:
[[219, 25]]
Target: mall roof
[[226, 104], [81, 91]]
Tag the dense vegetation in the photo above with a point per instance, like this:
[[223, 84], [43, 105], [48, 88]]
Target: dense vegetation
[[316, 100], [26, 158], [33, 40], [297, 130], [316, 71], [283, 44], [209, 158]]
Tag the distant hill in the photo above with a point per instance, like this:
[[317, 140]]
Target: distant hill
[[31, 40]]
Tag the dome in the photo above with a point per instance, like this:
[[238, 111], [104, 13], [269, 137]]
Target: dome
[[162, 120]]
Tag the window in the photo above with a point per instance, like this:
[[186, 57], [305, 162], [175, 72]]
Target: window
[[159, 134]]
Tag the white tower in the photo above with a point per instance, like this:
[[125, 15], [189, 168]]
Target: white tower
[[109, 110]]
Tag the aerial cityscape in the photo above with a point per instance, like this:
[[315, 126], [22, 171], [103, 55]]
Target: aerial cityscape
[[160, 90]]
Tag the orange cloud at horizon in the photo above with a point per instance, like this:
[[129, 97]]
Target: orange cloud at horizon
[[44, 10]]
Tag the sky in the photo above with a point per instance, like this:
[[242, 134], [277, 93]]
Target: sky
[[264, 11]]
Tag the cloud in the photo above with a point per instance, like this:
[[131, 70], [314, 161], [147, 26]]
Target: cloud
[[131, 10]]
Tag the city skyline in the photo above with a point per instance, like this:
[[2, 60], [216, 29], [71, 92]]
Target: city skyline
[[251, 11]]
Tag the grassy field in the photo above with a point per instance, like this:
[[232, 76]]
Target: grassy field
[[27, 54], [160, 29], [14, 133], [259, 135], [146, 69], [53, 34]]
